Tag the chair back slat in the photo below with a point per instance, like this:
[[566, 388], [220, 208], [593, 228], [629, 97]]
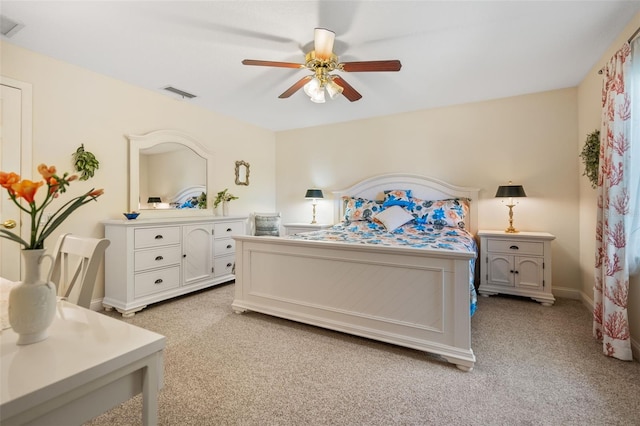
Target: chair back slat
[[76, 284]]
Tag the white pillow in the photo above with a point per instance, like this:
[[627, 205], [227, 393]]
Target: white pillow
[[393, 217]]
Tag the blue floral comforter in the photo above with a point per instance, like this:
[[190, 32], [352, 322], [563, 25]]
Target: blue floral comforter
[[409, 235]]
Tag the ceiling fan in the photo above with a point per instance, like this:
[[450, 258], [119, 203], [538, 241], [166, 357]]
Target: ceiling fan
[[322, 61]]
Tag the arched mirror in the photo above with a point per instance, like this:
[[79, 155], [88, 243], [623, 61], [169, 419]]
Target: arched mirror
[[168, 172]]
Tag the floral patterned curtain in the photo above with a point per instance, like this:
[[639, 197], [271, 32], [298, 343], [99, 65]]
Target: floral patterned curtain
[[617, 204]]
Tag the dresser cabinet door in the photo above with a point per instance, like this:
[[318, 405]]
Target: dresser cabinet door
[[197, 241]]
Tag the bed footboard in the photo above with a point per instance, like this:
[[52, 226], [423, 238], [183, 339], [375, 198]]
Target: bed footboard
[[413, 298]]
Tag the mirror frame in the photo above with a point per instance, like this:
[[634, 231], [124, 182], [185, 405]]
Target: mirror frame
[[148, 140], [240, 164]]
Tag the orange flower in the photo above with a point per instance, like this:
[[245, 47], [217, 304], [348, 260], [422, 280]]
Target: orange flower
[[42, 226], [8, 179], [26, 189], [45, 171]]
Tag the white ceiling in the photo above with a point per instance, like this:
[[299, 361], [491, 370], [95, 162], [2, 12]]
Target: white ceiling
[[452, 52]]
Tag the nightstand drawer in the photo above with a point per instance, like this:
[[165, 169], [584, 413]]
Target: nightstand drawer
[[515, 247]]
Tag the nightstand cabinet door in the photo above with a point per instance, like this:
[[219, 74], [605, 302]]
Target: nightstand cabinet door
[[500, 269], [517, 264], [528, 273]]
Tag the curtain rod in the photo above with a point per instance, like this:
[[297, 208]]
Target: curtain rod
[[635, 34]]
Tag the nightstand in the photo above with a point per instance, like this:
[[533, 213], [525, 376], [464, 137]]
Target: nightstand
[[517, 264], [297, 228]]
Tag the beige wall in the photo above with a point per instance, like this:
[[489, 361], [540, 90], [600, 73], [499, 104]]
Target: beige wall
[[72, 106], [533, 140], [527, 139], [589, 107]]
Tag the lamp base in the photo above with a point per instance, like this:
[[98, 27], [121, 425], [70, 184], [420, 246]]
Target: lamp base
[[511, 229]]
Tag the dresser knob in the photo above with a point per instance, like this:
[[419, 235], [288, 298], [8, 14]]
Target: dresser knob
[[514, 248], [158, 258], [229, 246], [159, 237], [229, 265], [228, 229], [158, 281]]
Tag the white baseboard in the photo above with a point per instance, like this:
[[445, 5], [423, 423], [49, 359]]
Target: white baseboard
[[567, 293], [96, 305]]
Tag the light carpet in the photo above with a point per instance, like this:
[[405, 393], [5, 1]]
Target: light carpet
[[535, 366]]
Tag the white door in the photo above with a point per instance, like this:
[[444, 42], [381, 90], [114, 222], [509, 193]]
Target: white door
[[15, 156]]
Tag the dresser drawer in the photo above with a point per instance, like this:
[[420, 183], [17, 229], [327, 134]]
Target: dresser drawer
[[228, 229], [515, 247], [156, 258], [224, 247], [155, 237], [223, 265], [156, 281]]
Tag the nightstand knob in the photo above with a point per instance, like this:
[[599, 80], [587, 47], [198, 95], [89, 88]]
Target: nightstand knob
[[514, 248]]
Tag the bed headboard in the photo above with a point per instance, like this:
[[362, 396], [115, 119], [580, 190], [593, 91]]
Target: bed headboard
[[423, 187], [187, 194]]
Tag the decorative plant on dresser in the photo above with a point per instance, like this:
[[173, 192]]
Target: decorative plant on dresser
[[157, 259]]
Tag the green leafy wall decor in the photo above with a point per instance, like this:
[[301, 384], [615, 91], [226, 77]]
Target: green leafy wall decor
[[85, 163], [591, 157]]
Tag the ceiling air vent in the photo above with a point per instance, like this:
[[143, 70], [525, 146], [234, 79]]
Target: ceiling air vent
[[9, 27], [179, 92]]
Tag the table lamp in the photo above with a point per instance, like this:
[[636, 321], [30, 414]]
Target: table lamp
[[510, 191], [154, 201], [314, 194]]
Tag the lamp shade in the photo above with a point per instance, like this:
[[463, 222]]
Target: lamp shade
[[314, 193], [510, 191], [154, 200]]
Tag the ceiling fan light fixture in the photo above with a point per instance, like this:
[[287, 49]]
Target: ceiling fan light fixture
[[318, 97], [323, 43], [312, 87], [334, 90]]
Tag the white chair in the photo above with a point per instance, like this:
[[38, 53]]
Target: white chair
[[75, 267], [267, 224]]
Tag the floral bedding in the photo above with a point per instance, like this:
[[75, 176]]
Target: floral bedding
[[412, 234]]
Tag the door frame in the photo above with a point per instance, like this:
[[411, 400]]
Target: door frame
[[26, 136]]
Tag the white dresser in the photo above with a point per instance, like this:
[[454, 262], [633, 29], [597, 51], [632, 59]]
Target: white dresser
[[151, 260]]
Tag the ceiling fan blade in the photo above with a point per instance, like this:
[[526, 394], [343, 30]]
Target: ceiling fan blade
[[364, 66], [348, 91], [272, 64], [293, 89]]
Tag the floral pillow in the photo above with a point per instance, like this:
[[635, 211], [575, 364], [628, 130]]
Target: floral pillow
[[356, 209], [440, 213], [397, 197]]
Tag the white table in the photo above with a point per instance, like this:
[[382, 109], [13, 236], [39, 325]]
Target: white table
[[89, 363]]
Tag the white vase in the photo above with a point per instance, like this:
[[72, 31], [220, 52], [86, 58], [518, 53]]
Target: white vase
[[32, 303], [225, 208]]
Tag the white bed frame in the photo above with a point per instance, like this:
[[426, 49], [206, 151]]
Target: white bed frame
[[404, 296]]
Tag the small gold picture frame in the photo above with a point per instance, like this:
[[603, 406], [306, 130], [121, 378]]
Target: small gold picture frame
[[242, 173]]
